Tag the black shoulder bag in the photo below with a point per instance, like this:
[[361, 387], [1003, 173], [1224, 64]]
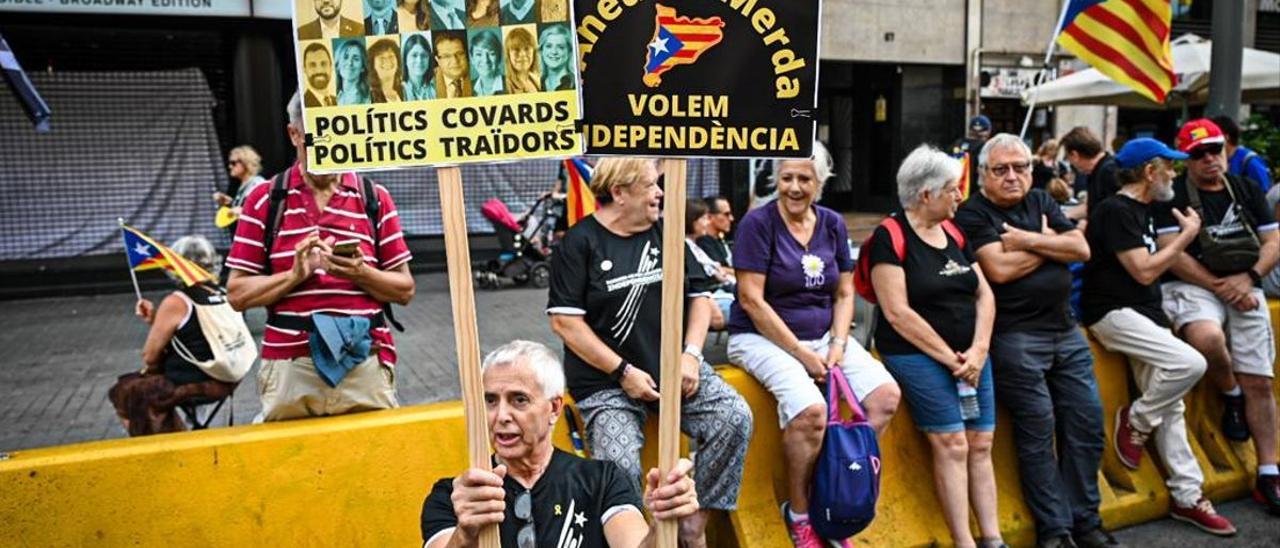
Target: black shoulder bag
[[1226, 254]]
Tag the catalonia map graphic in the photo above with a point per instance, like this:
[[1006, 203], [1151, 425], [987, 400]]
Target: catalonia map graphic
[[678, 40]]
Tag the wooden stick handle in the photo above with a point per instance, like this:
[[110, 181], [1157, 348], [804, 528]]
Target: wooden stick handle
[[672, 326], [465, 335]]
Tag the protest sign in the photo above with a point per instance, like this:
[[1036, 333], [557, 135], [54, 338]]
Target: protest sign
[[710, 78], [446, 82]]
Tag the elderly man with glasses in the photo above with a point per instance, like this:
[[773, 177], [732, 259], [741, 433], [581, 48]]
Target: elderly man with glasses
[[539, 495], [1043, 368], [1213, 295]]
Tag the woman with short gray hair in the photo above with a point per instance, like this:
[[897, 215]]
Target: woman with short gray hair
[[935, 317]]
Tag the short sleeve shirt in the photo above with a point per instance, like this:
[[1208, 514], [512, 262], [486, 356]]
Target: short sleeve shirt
[[1221, 216], [1119, 224], [343, 218], [615, 283], [572, 501], [800, 280], [942, 287], [1102, 182], [1038, 300], [1254, 168]]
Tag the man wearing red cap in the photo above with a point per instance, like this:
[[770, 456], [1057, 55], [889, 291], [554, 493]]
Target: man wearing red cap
[[1213, 295]]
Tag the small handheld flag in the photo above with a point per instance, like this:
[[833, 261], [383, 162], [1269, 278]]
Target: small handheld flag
[[581, 201], [965, 183], [147, 254]]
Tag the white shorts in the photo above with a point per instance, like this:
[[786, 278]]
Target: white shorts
[[785, 377], [1250, 339]]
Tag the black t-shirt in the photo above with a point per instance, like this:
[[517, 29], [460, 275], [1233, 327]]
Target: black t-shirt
[[716, 248], [1217, 216], [941, 286], [571, 502], [1102, 182], [1038, 300], [1119, 224], [616, 284]]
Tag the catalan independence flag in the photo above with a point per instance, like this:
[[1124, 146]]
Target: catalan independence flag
[[581, 202], [965, 184], [147, 254], [1126, 40], [678, 40]]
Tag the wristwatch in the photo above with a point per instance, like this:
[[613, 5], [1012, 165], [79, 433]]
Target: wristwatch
[[620, 371], [693, 350], [1253, 275]]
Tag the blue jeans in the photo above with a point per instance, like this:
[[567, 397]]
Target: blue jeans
[[930, 391], [1046, 380]]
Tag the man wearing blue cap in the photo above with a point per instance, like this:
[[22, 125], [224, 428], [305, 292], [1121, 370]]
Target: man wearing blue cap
[[1213, 297], [1122, 301]]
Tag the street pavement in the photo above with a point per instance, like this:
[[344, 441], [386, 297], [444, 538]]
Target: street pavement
[[64, 353]]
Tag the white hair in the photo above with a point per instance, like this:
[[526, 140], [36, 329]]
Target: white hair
[[199, 251], [536, 356], [295, 110], [926, 169], [1003, 141], [823, 166]]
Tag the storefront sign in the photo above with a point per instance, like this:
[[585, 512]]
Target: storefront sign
[[272, 9], [1008, 83], [447, 86], [711, 78]]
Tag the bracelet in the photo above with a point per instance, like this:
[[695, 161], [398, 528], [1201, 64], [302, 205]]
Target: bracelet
[[840, 341], [620, 371]]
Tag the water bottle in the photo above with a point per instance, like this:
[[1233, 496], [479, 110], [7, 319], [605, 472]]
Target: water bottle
[[968, 401]]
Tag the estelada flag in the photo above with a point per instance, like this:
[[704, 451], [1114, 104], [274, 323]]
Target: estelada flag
[[1126, 40], [964, 175], [147, 254], [678, 40], [581, 201]]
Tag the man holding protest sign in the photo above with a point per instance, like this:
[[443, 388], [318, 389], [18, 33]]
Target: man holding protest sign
[[539, 495], [605, 303], [309, 250]]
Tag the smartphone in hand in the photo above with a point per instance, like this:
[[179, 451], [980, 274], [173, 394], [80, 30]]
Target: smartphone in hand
[[346, 248]]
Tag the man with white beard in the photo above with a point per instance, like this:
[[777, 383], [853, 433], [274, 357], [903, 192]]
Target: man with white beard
[[1121, 303]]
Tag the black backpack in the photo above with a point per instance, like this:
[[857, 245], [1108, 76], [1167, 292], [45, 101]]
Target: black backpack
[[372, 210]]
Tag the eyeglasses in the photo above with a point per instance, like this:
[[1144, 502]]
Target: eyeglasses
[[1021, 168], [1199, 153], [231, 163], [526, 537]]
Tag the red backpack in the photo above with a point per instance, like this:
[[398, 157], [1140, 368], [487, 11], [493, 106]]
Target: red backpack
[[891, 224]]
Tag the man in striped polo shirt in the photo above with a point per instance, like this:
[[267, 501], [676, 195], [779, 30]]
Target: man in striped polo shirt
[[304, 280]]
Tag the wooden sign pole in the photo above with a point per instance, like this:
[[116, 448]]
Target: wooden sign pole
[[465, 335], [672, 326]]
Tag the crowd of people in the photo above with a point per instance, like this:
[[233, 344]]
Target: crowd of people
[[974, 303]]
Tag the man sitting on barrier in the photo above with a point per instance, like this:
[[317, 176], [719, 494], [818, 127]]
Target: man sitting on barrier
[[1213, 297], [539, 495], [605, 303], [1043, 368], [327, 349], [1121, 304]]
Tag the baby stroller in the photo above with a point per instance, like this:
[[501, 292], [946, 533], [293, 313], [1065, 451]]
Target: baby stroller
[[519, 260]]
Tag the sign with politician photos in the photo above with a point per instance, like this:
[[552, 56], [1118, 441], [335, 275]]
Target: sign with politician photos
[[402, 83]]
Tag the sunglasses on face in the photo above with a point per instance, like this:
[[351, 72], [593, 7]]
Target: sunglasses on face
[[1207, 150], [526, 537], [1021, 168]]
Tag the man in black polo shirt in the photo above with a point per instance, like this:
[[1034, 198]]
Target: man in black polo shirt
[[1043, 366], [538, 495], [1122, 308], [1084, 152]]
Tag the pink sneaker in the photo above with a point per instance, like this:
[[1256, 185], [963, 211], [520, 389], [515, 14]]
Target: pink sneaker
[[802, 533]]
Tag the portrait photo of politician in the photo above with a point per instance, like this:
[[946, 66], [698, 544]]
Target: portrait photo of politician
[[452, 79], [482, 13], [385, 78], [522, 73], [317, 66], [417, 67], [486, 62], [556, 52], [447, 14], [380, 18], [333, 19], [411, 15], [554, 11], [519, 12], [353, 71]]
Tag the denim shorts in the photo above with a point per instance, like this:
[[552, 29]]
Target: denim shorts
[[930, 391]]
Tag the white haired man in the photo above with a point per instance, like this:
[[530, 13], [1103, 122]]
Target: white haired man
[[539, 495]]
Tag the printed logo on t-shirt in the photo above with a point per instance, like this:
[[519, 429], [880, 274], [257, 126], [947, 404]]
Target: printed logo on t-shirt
[[571, 534], [1148, 237], [1229, 226], [813, 266], [952, 268], [648, 272]]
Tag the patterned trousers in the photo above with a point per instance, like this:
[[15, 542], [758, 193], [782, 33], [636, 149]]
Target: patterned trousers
[[716, 417]]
